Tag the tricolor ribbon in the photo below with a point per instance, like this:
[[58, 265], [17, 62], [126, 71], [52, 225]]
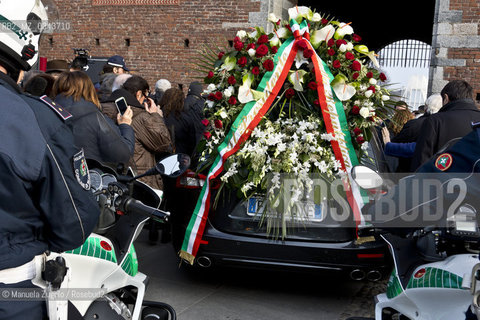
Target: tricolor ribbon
[[251, 115]]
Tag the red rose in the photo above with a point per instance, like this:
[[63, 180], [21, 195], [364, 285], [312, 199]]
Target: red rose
[[231, 80], [211, 97], [237, 39], [340, 42], [356, 66], [355, 110], [331, 43], [357, 131], [274, 49], [218, 124], [289, 93], [261, 51], [331, 52], [210, 75], [205, 122], [263, 39], [207, 135], [251, 46], [336, 64], [369, 74], [221, 54], [356, 38], [360, 140], [383, 77], [256, 70], [218, 95], [355, 76], [324, 21], [302, 44], [371, 88], [268, 65], [278, 22], [232, 100], [238, 45], [308, 53], [312, 85], [242, 61], [349, 56]]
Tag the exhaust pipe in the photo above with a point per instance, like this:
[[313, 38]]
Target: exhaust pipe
[[374, 275], [357, 275], [204, 262]]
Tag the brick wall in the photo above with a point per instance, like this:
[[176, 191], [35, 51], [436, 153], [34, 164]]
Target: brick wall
[[157, 34], [456, 44]]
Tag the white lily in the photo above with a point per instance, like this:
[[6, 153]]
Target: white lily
[[297, 13], [342, 89], [343, 30], [300, 60], [371, 54], [316, 17], [272, 18], [230, 63], [296, 78], [324, 34]]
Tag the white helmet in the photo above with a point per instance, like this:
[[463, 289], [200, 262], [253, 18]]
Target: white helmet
[[20, 29]]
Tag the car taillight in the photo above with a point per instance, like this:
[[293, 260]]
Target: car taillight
[[191, 180]]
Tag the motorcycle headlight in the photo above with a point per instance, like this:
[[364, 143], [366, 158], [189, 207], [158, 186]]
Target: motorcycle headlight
[[464, 221]]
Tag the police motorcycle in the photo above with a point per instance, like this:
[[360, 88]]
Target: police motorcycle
[[100, 279], [433, 262]]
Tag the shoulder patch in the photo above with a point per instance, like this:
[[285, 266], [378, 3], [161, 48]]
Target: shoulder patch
[[61, 111], [444, 161], [81, 170]]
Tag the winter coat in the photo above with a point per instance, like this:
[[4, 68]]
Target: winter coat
[[194, 100], [452, 121], [410, 130], [151, 135], [185, 131], [98, 135]]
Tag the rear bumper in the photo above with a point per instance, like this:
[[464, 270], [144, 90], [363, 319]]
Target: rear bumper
[[224, 249]]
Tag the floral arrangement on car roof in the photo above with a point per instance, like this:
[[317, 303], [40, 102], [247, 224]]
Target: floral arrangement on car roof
[[301, 100]]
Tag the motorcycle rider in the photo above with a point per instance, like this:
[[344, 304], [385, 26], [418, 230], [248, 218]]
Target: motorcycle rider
[[45, 202]]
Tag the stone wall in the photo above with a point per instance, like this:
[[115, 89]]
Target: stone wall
[[456, 44]]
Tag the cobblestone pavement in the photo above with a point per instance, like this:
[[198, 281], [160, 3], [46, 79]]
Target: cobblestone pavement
[[242, 294], [362, 303]]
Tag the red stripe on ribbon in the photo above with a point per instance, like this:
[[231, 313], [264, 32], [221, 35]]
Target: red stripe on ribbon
[[335, 145], [243, 138]]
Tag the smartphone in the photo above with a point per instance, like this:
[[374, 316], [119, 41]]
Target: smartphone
[[121, 104]]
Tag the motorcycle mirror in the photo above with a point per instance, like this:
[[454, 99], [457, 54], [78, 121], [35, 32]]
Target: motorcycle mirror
[[366, 178], [173, 166]]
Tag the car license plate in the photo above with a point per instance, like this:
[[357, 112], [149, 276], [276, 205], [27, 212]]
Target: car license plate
[[307, 210]]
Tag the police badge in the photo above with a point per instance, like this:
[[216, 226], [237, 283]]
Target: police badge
[[81, 170]]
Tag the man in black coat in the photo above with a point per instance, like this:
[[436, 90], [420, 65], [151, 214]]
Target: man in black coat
[[452, 121]]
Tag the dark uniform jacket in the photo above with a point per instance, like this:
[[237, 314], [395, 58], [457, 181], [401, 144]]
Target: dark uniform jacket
[[42, 204], [452, 121], [98, 135]]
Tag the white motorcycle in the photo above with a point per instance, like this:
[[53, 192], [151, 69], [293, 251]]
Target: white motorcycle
[[100, 279], [433, 266]]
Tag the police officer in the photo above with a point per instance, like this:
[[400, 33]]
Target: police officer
[[45, 204]]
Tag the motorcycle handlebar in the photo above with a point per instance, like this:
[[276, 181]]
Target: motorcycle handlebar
[[135, 206]]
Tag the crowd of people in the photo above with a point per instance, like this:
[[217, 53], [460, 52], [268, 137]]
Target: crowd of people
[[154, 123], [411, 140]]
